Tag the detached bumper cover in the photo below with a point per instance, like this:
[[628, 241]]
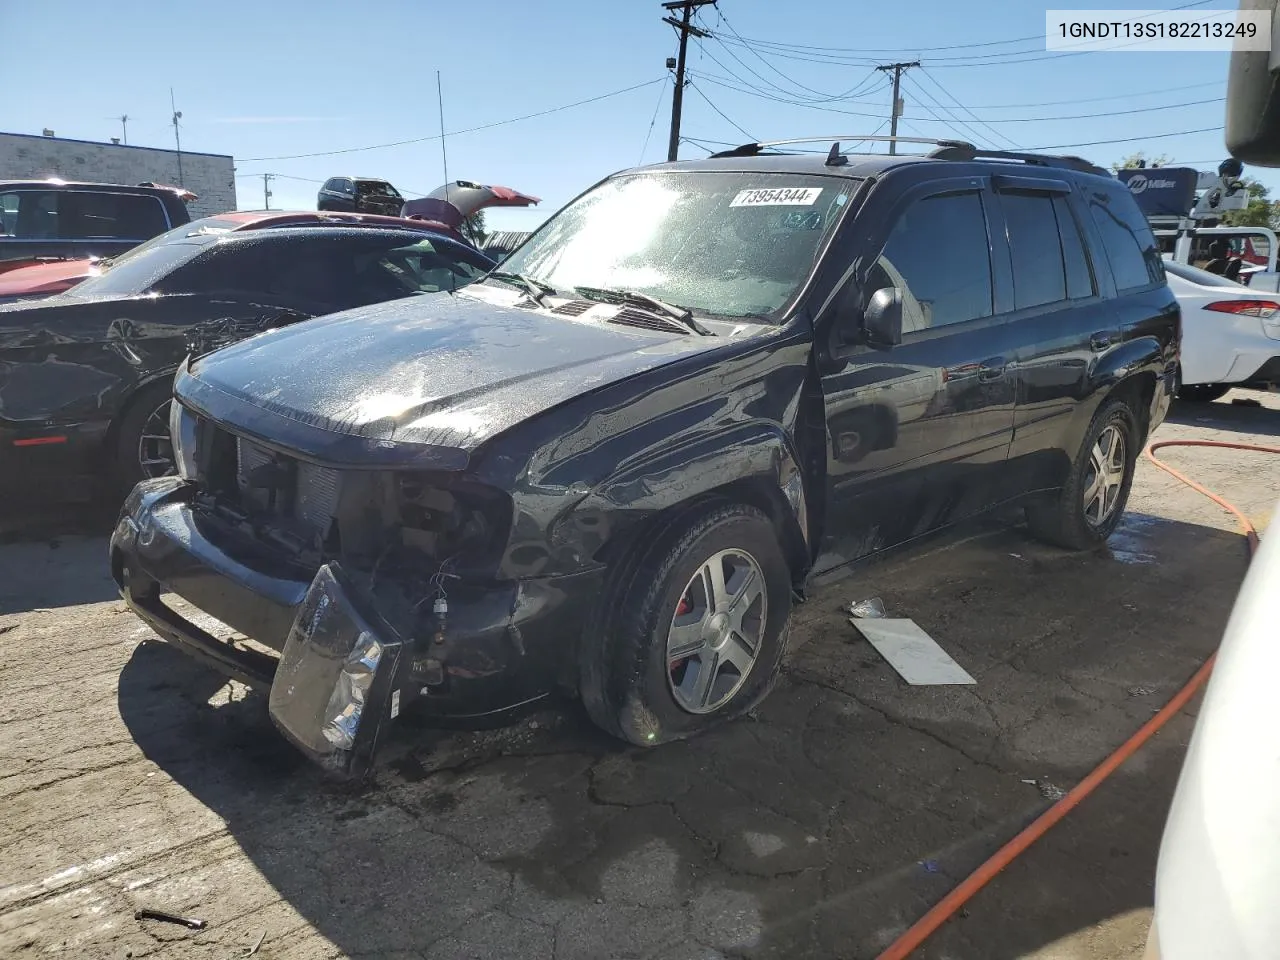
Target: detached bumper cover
[[343, 672]]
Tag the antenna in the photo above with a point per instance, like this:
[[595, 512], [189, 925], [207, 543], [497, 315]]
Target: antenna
[[177, 115], [444, 154]]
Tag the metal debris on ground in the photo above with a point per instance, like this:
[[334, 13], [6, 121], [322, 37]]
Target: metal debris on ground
[[1139, 691], [258, 945], [916, 656], [872, 607], [149, 914], [1051, 791]]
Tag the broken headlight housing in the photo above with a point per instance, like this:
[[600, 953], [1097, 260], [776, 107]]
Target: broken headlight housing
[[347, 702], [182, 435]]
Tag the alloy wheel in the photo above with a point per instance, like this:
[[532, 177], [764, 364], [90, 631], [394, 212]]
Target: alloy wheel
[[155, 449], [717, 631], [1107, 465]]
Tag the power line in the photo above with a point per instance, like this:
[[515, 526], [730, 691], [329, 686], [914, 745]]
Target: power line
[[693, 86], [1149, 136], [662, 94], [946, 93], [853, 91], [851, 55], [969, 132], [483, 126]]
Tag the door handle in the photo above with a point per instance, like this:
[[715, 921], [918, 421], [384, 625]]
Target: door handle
[[992, 369], [1100, 340]]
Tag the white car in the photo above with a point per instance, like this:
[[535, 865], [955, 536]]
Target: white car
[[1219, 867], [1230, 334]]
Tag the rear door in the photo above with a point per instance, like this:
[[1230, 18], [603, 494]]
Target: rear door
[[1060, 318], [918, 433]]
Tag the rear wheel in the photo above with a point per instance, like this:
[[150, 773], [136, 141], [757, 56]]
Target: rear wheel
[[143, 447], [1088, 508], [691, 629]]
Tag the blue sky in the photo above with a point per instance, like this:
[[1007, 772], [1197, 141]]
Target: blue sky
[[286, 78]]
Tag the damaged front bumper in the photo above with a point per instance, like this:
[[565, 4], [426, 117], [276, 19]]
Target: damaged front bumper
[[342, 673]]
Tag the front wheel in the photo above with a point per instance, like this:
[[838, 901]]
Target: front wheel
[[692, 630], [1088, 508]]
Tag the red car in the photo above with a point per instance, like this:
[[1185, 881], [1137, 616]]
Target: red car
[[46, 279]]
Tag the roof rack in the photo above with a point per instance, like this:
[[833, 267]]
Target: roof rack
[[752, 149], [969, 152], [945, 150]]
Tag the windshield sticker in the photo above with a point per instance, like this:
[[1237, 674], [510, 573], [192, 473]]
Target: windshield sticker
[[778, 197]]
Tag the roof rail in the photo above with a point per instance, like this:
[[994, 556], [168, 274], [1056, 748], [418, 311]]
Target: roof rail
[[969, 152], [753, 149]]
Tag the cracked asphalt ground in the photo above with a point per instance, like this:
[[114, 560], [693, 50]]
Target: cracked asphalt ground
[[822, 827]]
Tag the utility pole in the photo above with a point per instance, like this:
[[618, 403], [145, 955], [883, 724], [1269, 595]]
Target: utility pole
[[124, 128], [896, 110], [685, 28], [177, 115], [266, 190]]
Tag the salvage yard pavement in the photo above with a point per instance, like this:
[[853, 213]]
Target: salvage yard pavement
[[131, 778]]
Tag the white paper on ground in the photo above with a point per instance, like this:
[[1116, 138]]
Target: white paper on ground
[[912, 652]]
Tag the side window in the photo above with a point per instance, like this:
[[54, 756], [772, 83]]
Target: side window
[[939, 258], [30, 214], [330, 184], [346, 186], [1130, 246], [1074, 255], [1035, 248], [84, 215]]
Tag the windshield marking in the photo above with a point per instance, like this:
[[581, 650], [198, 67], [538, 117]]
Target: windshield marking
[[778, 197]]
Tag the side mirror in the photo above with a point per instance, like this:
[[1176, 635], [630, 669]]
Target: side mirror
[[882, 320], [1253, 99]]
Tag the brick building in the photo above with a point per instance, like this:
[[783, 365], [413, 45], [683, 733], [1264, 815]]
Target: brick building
[[211, 176]]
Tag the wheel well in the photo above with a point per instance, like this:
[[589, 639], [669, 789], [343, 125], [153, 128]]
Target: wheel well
[[758, 492], [1138, 391]]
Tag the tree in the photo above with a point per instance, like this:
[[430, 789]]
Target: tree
[[1259, 212], [1133, 160], [473, 228]]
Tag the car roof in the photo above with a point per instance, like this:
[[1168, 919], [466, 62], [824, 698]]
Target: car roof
[[768, 158], [55, 184]]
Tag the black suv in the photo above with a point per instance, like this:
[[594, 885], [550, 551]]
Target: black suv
[[610, 466], [359, 195], [50, 219]]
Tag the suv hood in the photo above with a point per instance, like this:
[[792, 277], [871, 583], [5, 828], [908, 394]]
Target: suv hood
[[425, 380]]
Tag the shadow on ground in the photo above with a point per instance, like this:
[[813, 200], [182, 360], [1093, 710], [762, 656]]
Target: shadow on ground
[[55, 554], [821, 827], [1222, 414]]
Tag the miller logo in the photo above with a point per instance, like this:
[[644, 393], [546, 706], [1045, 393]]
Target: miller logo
[[1140, 183]]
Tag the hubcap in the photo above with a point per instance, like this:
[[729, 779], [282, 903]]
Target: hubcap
[[716, 633], [1105, 477], [155, 449]]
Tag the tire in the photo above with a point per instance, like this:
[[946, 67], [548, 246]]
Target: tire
[[142, 434], [1075, 518], [1201, 392], [630, 685]]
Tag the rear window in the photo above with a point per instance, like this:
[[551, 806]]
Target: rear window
[[143, 269], [376, 188], [1127, 239]]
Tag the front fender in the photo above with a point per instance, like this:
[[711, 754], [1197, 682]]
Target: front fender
[[758, 460]]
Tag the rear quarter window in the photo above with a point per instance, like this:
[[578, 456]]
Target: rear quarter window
[[1127, 240]]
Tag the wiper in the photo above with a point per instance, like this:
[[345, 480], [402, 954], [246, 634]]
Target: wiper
[[535, 288], [683, 315]]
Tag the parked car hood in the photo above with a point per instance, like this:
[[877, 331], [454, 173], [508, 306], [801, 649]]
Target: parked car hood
[[438, 372]]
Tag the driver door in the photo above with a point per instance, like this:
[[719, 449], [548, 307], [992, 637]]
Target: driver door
[[918, 431]]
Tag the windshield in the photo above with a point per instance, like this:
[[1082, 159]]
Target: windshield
[[720, 244], [195, 228], [138, 270], [1203, 277]]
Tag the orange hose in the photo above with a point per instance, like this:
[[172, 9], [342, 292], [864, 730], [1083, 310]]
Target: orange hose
[[942, 911]]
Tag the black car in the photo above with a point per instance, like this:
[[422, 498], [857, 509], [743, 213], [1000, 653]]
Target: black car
[[86, 376], [359, 195], [609, 467], [51, 219]]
